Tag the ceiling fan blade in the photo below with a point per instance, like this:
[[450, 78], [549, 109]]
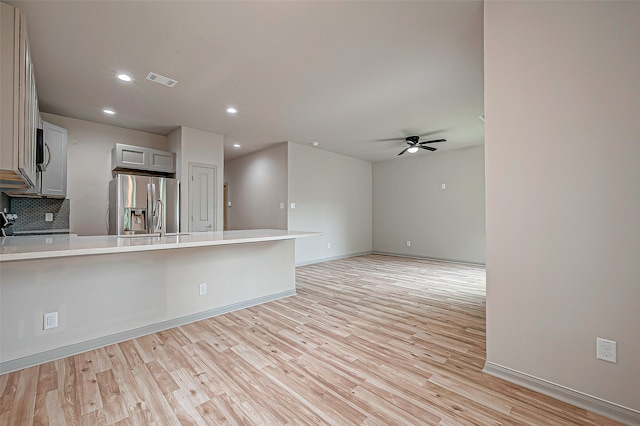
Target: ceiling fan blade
[[403, 151], [435, 132], [388, 140], [433, 141], [428, 148]]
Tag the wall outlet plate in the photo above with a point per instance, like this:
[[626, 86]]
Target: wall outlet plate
[[606, 350], [48, 217], [203, 289]]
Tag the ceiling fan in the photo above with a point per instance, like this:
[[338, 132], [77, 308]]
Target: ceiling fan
[[414, 145]]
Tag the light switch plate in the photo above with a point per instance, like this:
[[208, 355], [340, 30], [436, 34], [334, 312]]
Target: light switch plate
[[293, 205], [50, 320]]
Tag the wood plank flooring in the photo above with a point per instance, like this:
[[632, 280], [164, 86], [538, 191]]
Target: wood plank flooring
[[371, 340]]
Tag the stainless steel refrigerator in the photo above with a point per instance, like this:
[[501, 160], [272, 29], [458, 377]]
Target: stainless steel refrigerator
[[143, 205]]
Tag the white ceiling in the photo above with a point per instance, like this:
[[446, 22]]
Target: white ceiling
[[343, 74]]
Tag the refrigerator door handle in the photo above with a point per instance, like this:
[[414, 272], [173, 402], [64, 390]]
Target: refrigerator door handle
[[158, 216], [151, 196]]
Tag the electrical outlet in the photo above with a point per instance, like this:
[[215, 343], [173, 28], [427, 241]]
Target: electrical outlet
[[203, 289], [48, 217], [281, 206], [50, 320], [408, 243], [328, 245], [606, 350], [293, 205]]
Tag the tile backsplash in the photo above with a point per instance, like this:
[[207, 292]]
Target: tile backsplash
[[31, 213]]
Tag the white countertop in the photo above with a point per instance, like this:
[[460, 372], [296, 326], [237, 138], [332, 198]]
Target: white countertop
[[48, 246]]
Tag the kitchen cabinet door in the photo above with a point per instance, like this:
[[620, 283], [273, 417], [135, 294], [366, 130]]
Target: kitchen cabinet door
[[54, 179], [129, 157], [18, 105]]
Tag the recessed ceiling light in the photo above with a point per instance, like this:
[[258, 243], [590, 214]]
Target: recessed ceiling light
[[232, 110], [108, 111], [123, 77], [236, 145]]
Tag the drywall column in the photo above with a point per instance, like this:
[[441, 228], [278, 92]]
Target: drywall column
[[197, 146], [562, 97]]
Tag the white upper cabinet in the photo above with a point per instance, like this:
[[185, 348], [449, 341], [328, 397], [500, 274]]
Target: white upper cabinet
[[130, 157], [54, 178], [19, 115]]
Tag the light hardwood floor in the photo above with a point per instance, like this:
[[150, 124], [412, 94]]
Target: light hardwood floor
[[367, 340]]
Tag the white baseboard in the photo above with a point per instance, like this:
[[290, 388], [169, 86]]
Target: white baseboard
[[616, 412], [328, 259], [65, 351], [383, 253], [437, 259]]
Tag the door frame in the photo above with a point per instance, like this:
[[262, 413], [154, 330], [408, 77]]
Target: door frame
[[214, 195], [225, 201]]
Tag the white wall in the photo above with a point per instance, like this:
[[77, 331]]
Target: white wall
[[257, 184], [197, 146], [89, 168], [409, 205], [562, 98], [332, 194]]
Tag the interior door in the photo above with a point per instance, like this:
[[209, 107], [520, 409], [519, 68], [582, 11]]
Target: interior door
[[202, 195]]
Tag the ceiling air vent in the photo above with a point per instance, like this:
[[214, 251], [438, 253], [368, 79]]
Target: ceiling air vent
[[169, 82]]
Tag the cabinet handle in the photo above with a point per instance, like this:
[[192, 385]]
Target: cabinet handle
[[48, 155]]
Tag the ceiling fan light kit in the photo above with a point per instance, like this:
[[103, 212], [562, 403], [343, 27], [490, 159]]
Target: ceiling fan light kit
[[414, 144]]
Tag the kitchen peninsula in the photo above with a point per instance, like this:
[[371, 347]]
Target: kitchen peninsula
[[107, 289]]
